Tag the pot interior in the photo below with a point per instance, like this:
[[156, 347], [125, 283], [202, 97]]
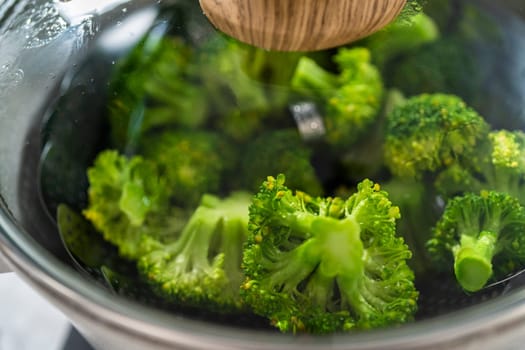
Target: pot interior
[[71, 127]]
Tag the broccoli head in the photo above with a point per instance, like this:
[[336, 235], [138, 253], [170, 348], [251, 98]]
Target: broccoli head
[[127, 199], [440, 66], [192, 162], [247, 87], [429, 132], [202, 267], [156, 85], [499, 165], [280, 151], [399, 38], [351, 99], [322, 265], [480, 237]]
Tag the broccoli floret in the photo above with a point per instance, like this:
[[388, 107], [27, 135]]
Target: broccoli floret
[[322, 265], [239, 101], [351, 99], [202, 267], [428, 132], [280, 151], [247, 86], [192, 162], [499, 165], [480, 237], [411, 9], [399, 38], [127, 199], [441, 66], [155, 86]]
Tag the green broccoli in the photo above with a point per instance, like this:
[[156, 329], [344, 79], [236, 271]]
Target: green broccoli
[[428, 132], [280, 151], [499, 165], [173, 91], [127, 199], [247, 87], [322, 265], [155, 86], [267, 66], [202, 267], [480, 237], [399, 38], [411, 9], [351, 99], [191, 162], [441, 66]]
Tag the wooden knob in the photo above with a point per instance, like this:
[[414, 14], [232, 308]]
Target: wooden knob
[[300, 25]]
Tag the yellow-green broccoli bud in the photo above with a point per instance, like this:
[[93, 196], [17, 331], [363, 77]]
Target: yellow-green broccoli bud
[[429, 132], [499, 165], [127, 199]]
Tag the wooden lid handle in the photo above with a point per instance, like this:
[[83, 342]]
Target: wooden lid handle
[[300, 25]]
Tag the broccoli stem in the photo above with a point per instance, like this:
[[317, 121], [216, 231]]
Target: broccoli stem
[[473, 260], [301, 223], [294, 266], [231, 246], [334, 249], [309, 75], [189, 248], [270, 67], [341, 244], [341, 253]]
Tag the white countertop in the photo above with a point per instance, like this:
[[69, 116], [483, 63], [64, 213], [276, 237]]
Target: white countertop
[[28, 321]]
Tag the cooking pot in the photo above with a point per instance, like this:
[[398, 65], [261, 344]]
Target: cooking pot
[[55, 64]]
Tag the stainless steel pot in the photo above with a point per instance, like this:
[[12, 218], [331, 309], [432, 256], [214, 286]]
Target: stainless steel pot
[[41, 55]]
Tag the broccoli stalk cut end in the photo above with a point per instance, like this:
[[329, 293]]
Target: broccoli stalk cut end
[[473, 260], [479, 236]]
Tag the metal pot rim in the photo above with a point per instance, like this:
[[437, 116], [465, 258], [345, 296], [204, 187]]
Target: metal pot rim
[[67, 289]]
